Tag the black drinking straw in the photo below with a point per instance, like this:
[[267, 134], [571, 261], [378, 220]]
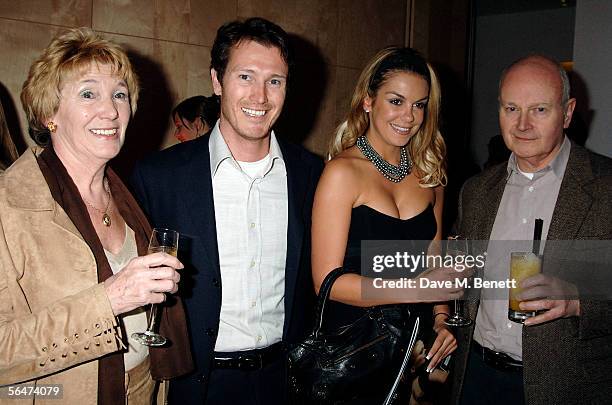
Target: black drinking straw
[[537, 235]]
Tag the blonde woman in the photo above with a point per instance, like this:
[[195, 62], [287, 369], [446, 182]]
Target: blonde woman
[[384, 182]]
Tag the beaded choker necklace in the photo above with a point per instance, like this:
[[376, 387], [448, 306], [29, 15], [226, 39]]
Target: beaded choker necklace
[[391, 172]]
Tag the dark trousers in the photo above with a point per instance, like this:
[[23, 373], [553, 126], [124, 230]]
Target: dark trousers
[[485, 385], [266, 386]]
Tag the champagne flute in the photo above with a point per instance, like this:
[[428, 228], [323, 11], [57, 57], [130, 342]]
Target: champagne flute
[[162, 240], [457, 245]]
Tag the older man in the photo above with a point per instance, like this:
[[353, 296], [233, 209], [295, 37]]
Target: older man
[[564, 354], [242, 198]]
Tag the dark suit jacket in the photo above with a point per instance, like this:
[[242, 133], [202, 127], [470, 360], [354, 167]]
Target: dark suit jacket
[[569, 360], [175, 189]]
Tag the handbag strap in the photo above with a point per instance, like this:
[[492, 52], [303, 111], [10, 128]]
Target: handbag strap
[[323, 297], [391, 396]]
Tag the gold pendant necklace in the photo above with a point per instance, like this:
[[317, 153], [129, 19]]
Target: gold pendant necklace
[[106, 219]]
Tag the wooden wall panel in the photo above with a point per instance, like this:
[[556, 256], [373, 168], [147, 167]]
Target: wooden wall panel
[[170, 40]]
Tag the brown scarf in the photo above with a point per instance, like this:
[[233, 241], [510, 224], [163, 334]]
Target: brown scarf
[[167, 362]]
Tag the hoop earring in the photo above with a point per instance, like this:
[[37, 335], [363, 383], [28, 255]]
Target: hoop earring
[[51, 126]]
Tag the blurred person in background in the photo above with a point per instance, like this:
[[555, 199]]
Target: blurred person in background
[[195, 116]]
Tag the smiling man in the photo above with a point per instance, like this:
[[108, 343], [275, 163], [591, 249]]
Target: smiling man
[[241, 199], [563, 354]]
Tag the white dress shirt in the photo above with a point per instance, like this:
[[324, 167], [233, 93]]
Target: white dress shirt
[[251, 214]]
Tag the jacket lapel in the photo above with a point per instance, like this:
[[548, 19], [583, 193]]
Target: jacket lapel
[[199, 202], [27, 190], [60, 218], [490, 199], [298, 174], [479, 219], [575, 197]]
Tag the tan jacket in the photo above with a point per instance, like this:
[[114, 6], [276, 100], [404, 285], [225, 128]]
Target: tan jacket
[[55, 318]]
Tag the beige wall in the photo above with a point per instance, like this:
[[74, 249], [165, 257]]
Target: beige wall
[[170, 42]]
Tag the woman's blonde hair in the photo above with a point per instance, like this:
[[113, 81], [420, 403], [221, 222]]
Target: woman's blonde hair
[[69, 53], [426, 148]]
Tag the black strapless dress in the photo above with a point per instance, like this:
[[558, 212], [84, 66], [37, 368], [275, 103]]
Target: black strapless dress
[[369, 224]]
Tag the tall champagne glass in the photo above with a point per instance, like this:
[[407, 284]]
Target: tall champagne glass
[[162, 240], [457, 245]]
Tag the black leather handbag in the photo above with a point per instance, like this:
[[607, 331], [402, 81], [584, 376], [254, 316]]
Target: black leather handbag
[[359, 360]]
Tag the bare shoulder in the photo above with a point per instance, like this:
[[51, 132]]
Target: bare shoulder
[[341, 177], [345, 167]]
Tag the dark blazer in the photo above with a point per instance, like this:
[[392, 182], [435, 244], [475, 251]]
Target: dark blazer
[[569, 360], [175, 189]]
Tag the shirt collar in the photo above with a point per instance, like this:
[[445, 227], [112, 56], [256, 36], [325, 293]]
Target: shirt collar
[[275, 151], [219, 151], [557, 165]]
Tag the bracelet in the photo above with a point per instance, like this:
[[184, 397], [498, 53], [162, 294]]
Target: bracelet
[[440, 313]]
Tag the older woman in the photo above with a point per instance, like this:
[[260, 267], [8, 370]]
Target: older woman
[[72, 283], [384, 182]]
